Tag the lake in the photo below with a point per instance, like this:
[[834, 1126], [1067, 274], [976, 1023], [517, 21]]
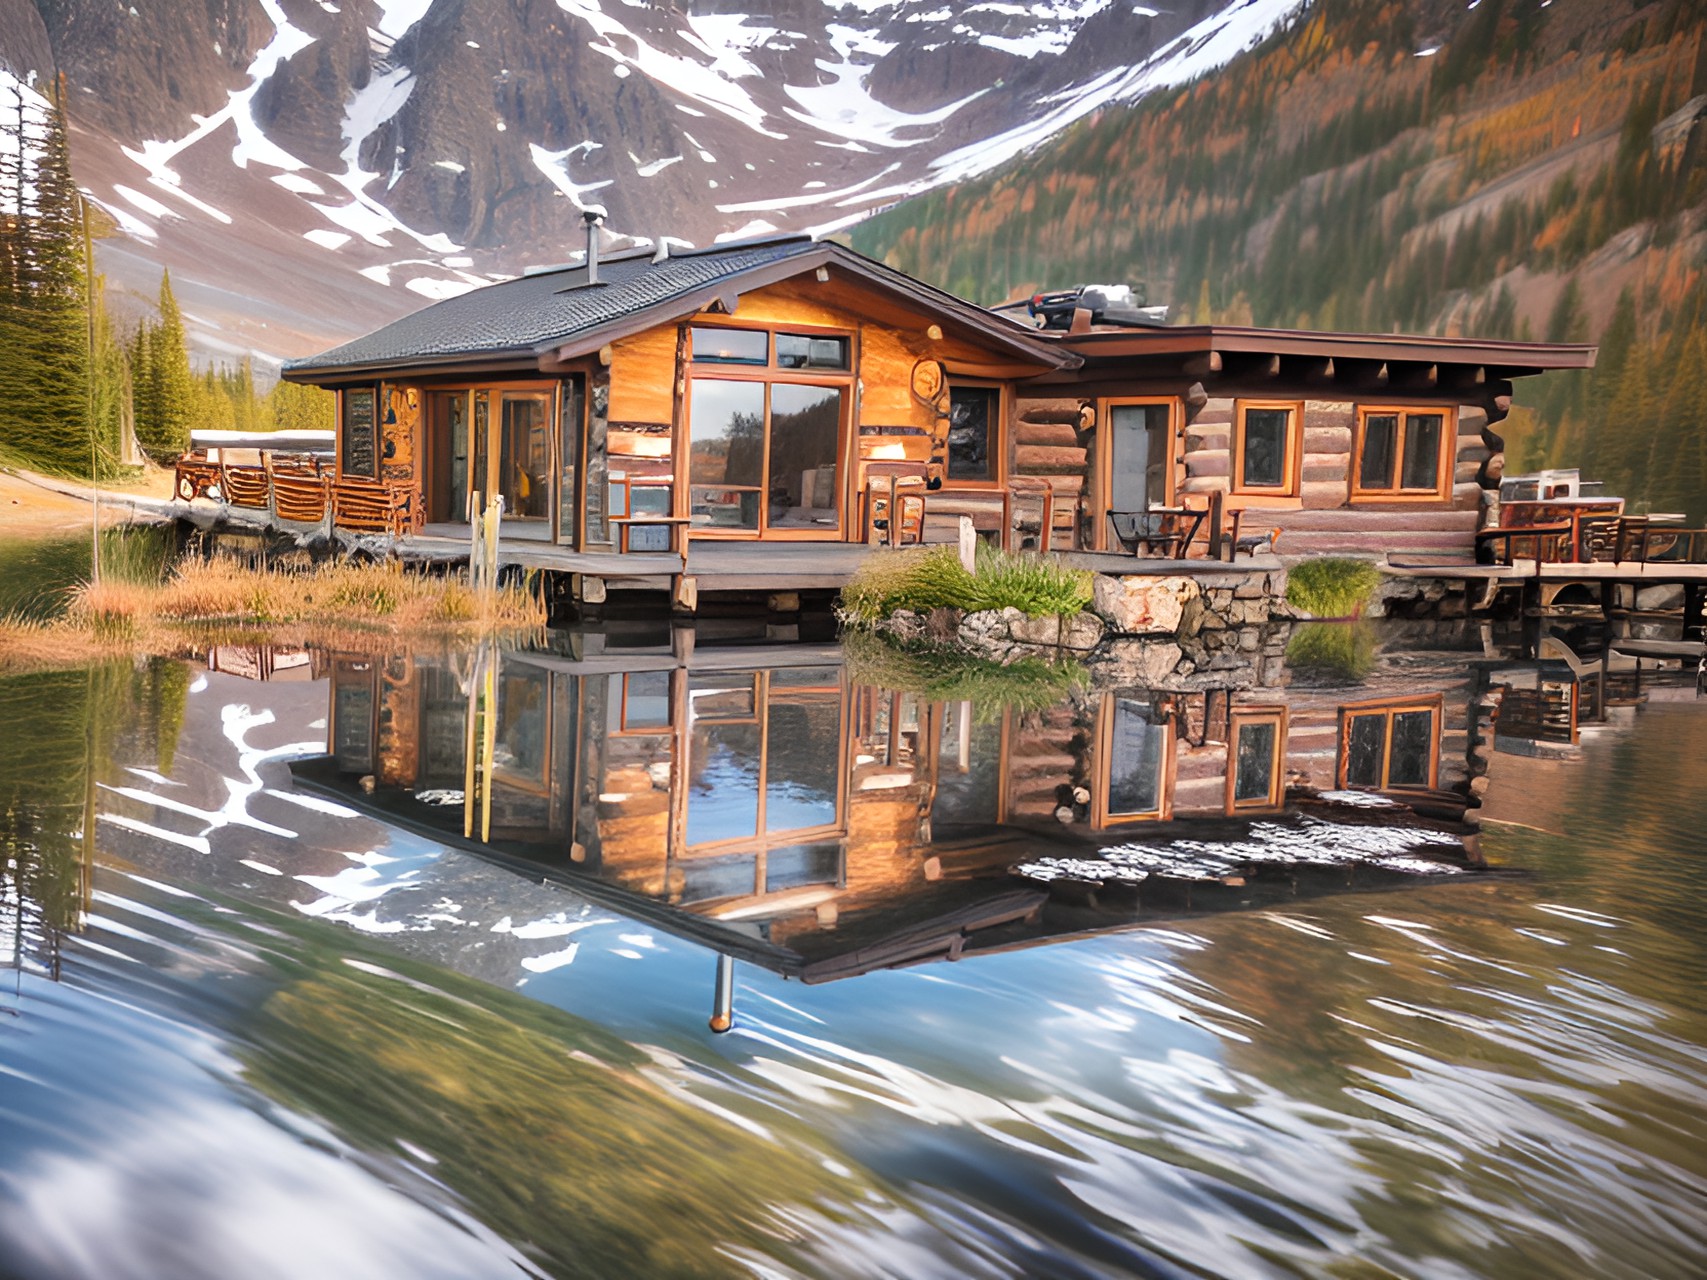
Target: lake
[[370, 962]]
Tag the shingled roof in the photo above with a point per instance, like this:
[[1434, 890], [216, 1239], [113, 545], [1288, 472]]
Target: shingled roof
[[531, 315]]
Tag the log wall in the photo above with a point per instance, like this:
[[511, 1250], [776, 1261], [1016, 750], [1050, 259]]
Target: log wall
[[1321, 519]]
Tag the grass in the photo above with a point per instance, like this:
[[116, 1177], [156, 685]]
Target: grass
[[1332, 587], [922, 580], [939, 675], [219, 601], [1340, 652]]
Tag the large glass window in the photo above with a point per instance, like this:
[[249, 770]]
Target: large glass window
[[1136, 745], [1389, 747], [1265, 446], [1255, 777], [1139, 449], [974, 440], [1400, 453], [726, 452], [765, 446]]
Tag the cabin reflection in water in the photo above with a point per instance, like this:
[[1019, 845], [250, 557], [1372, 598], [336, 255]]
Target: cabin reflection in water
[[759, 801]]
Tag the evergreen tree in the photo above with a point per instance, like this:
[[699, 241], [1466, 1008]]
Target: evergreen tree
[[291, 407], [57, 424], [110, 369], [165, 408]]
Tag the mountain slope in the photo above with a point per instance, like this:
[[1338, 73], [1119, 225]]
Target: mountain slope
[[339, 160], [1518, 168]]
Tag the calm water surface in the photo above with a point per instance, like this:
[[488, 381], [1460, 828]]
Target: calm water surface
[[250, 1030]]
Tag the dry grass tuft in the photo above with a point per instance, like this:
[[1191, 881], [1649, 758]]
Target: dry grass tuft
[[203, 603], [379, 596]]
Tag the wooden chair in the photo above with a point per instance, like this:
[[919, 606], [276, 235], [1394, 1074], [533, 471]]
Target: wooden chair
[[892, 499], [300, 491], [194, 476], [1169, 530], [367, 506], [245, 486]]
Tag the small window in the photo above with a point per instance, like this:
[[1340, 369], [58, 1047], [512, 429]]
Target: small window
[[973, 438], [1137, 748], [1255, 774], [1265, 449], [730, 346], [358, 435], [1401, 453], [807, 351], [645, 701], [1386, 748]]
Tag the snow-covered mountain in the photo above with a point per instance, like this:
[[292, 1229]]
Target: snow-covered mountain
[[311, 168]]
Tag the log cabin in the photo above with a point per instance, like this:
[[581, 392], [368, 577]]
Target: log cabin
[[790, 392]]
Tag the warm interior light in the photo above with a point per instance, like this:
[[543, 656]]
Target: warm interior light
[[888, 453]]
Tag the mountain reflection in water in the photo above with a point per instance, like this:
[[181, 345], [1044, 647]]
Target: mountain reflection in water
[[400, 964]]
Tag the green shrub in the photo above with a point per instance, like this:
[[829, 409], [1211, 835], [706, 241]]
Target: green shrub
[[1336, 652], [922, 580], [942, 675], [1331, 587]]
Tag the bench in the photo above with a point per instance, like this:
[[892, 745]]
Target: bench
[[367, 506]]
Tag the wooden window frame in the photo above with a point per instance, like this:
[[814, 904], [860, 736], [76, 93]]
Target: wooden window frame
[[1105, 456], [1293, 464], [343, 671], [1101, 818], [1390, 707], [376, 390], [1276, 798], [999, 446], [624, 729], [1445, 465], [762, 841], [769, 373]]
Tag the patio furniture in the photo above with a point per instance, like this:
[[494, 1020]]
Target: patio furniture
[[1168, 531]]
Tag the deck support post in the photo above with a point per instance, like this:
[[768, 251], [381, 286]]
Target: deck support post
[[684, 593], [968, 543], [723, 995]]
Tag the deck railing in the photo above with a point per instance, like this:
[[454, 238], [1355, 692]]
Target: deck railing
[[1587, 532], [302, 489]]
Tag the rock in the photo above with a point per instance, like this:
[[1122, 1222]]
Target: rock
[[1191, 618], [1249, 640], [1147, 663], [904, 624], [1251, 589], [1044, 632], [942, 624], [1142, 604], [1666, 596], [1082, 632]]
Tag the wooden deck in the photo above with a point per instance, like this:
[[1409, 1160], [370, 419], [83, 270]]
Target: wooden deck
[[718, 565]]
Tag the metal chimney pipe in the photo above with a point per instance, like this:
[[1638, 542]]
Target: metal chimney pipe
[[723, 998], [592, 217]]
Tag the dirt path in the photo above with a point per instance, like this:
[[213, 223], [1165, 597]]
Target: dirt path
[[29, 508]]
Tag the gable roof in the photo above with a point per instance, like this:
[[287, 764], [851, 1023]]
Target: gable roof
[[556, 310]]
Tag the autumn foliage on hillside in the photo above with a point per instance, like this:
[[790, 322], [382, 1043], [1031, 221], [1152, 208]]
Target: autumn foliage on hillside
[[1515, 169]]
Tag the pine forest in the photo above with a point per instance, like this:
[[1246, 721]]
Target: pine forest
[[1537, 174]]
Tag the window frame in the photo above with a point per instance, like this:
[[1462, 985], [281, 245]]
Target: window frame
[[626, 730], [1445, 464], [1293, 462], [1105, 455], [1390, 707], [998, 446], [1101, 818], [1276, 797], [371, 429], [766, 374], [763, 840]]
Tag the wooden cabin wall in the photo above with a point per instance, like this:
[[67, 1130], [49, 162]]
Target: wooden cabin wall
[[1321, 520], [400, 434], [893, 422]]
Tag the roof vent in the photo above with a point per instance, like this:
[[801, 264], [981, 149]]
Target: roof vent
[[592, 216], [662, 252]]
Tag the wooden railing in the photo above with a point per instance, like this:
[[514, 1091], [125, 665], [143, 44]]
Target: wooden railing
[[1585, 538], [302, 490]]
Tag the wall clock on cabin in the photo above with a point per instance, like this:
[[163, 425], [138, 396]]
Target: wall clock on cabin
[[927, 380]]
